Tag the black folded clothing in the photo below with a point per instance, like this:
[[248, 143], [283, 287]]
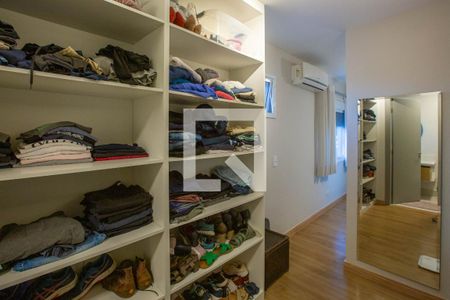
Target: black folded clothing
[[118, 151], [117, 209]]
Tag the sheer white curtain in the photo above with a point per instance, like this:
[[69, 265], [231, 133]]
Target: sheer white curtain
[[325, 132]]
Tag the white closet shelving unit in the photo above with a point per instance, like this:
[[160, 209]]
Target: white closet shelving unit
[[121, 113], [367, 131]]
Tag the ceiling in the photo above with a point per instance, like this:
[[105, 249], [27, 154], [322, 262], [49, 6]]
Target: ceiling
[[314, 30]]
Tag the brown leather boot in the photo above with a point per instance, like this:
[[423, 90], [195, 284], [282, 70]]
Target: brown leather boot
[[142, 274], [121, 281]]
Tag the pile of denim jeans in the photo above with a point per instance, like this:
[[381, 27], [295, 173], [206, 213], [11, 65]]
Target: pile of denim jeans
[[56, 143], [27, 246], [117, 151], [117, 209], [7, 159], [178, 139]]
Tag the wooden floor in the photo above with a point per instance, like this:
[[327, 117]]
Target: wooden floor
[[317, 266], [392, 238]]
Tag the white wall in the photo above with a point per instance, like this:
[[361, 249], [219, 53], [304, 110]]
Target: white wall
[[292, 195], [405, 54]]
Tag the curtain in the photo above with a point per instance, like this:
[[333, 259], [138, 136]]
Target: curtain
[[325, 133]]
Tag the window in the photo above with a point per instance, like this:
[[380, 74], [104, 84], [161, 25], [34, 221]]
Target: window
[[341, 134], [270, 102]]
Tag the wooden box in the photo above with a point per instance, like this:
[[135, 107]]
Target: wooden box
[[277, 256]]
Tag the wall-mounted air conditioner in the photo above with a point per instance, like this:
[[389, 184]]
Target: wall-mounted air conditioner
[[309, 77]]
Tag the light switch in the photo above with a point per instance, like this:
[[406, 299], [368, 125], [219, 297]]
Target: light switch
[[275, 162]]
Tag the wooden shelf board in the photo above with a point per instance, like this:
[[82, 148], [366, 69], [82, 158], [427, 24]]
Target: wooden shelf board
[[214, 156], [189, 99], [16, 78], [12, 278], [44, 171], [222, 206], [102, 17], [191, 278], [194, 47]]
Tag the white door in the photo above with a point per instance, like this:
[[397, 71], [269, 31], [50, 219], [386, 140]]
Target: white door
[[406, 154]]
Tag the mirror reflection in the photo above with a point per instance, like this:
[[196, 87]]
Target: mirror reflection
[[399, 175]]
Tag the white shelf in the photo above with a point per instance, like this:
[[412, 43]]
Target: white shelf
[[242, 10], [368, 161], [214, 156], [189, 99], [44, 171], [194, 47], [367, 180], [99, 293], [12, 278], [369, 122], [103, 17], [16, 78], [221, 207], [191, 278], [368, 141]]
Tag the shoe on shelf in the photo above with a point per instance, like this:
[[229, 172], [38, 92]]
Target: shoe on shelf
[[92, 273], [121, 281], [235, 268], [196, 292], [206, 229], [53, 285], [142, 275]]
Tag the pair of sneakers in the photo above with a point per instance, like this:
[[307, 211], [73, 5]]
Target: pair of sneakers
[[129, 277]]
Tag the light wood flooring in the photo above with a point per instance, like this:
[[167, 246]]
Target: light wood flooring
[[317, 266], [392, 238]]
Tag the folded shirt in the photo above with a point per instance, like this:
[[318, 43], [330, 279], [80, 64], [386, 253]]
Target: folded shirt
[[200, 90], [57, 157], [177, 62]]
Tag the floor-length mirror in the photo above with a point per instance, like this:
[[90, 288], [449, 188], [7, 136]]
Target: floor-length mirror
[[399, 224]]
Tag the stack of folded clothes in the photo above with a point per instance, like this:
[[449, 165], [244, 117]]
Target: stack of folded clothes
[[56, 143], [43, 241], [7, 159], [8, 36], [220, 89], [9, 55], [178, 139], [126, 66], [245, 138], [214, 133], [241, 91], [117, 151], [117, 209]]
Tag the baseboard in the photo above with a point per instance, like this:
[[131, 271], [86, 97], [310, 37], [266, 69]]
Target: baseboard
[[314, 217], [388, 283]]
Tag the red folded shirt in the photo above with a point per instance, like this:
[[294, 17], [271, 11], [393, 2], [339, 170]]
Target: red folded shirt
[[224, 95], [120, 157]]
